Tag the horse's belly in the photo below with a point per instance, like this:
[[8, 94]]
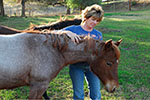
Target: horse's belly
[[13, 78], [12, 83]]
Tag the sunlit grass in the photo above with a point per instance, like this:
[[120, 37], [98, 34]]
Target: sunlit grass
[[118, 19], [145, 43]]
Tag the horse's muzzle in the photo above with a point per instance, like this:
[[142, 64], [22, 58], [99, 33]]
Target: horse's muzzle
[[111, 86]]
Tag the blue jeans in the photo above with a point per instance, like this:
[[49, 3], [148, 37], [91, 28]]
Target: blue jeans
[[77, 74]]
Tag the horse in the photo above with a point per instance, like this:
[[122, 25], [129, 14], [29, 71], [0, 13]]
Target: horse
[[29, 59], [7, 30], [53, 26], [58, 25]]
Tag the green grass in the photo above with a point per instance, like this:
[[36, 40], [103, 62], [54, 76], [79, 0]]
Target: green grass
[[134, 68]]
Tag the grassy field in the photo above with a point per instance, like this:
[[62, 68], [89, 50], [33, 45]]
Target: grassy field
[[134, 68]]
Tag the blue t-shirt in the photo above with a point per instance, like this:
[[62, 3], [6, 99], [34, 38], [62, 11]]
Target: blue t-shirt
[[80, 31], [77, 29]]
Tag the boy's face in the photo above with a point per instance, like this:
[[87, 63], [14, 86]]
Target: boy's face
[[91, 22]]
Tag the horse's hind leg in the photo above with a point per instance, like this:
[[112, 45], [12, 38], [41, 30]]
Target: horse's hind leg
[[37, 89]]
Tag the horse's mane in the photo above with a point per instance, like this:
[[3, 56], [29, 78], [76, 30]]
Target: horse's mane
[[57, 37]]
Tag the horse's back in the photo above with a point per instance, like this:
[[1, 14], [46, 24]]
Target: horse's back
[[12, 44], [18, 48]]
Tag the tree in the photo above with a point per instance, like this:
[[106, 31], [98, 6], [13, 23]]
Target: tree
[[68, 10], [2, 13], [129, 5], [81, 4], [23, 8]]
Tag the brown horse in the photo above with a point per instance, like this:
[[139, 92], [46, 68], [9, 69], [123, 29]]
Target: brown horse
[[35, 59], [7, 30], [59, 25], [53, 26]]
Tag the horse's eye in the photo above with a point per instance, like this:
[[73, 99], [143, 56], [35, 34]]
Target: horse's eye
[[109, 63]]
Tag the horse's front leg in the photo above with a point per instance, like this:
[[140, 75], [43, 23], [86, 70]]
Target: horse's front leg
[[46, 96], [37, 89]]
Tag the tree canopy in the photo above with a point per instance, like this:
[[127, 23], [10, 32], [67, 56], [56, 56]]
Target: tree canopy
[[81, 4]]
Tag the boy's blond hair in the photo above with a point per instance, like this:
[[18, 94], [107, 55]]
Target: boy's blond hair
[[95, 11]]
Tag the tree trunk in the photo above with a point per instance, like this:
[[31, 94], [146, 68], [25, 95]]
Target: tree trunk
[[23, 8], [114, 6], [129, 5], [2, 13], [144, 4], [68, 10]]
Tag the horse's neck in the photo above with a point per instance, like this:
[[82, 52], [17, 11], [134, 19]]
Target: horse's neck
[[84, 51], [76, 53]]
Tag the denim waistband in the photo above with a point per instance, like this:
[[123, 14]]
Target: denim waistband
[[81, 64]]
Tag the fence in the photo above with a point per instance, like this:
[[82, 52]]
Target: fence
[[34, 10]]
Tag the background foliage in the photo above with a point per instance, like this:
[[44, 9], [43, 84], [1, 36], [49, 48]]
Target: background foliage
[[81, 4]]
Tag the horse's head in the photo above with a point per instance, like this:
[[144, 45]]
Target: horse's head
[[105, 66]]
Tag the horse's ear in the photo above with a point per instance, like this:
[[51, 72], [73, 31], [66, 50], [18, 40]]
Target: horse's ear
[[118, 42], [108, 44]]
